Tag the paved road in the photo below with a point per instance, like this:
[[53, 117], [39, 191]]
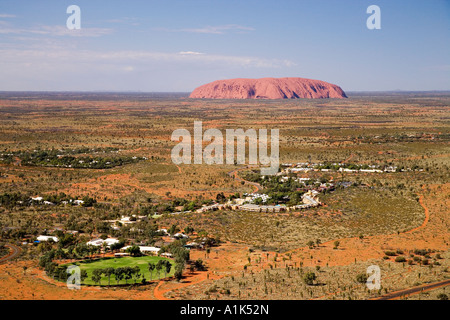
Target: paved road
[[15, 252], [415, 290]]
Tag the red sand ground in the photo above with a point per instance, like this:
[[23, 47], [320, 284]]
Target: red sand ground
[[231, 257]]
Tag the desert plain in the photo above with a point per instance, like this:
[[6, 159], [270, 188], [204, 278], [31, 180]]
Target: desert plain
[[113, 152]]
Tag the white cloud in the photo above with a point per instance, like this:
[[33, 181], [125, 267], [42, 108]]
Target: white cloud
[[58, 31], [190, 52], [55, 54], [89, 56], [229, 28], [57, 68], [124, 20], [5, 15], [128, 68]]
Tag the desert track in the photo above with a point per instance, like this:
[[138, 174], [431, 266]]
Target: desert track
[[15, 251], [412, 291], [235, 176]]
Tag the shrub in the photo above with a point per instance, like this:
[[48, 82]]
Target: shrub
[[442, 296], [420, 252], [309, 278], [199, 265], [212, 289], [400, 259], [361, 278]]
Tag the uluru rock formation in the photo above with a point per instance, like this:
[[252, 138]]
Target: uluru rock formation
[[268, 88]]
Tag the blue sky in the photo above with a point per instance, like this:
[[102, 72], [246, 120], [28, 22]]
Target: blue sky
[[178, 45]]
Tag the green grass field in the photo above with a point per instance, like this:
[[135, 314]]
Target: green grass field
[[142, 262]]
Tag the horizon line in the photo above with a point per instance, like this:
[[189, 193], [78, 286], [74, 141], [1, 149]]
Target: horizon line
[[115, 91]]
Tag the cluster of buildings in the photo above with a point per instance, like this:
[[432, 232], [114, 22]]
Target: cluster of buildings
[[143, 248], [125, 220], [254, 196], [310, 200], [39, 199], [303, 167]]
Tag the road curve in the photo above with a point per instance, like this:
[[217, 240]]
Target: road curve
[[15, 252], [235, 176], [412, 291]]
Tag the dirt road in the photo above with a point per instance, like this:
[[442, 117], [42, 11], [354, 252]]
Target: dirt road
[[416, 290], [15, 252], [234, 175]]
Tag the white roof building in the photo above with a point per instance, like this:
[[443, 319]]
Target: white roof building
[[46, 238], [166, 254], [144, 249], [99, 242], [180, 235]]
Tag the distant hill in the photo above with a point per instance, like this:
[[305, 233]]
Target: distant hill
[[268, 88]]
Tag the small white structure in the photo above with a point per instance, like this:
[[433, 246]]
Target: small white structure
[[37, 198], [99, 242], [166, 254], [180, 235], [121, 254], [253, 196], [47, 238], [370, 170], [144, 249]]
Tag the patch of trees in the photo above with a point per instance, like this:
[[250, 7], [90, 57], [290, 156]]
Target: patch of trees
[[3, 250], [121, 273], [280, 192], [180, 254], [170, 206], [161, 265], [10, 200], [17, 199], [65, 158]]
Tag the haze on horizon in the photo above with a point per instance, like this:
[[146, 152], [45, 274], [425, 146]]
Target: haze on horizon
[[176, 46]]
